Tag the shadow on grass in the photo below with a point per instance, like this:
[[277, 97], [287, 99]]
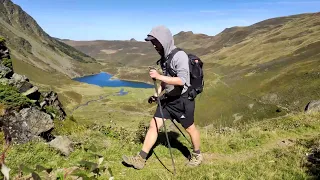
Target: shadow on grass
[[174, 142], [162, 140]]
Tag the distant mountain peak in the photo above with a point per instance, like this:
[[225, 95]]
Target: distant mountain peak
[[133, 40], [185, 33]]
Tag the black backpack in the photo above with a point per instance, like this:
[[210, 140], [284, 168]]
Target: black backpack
[[196, 73]]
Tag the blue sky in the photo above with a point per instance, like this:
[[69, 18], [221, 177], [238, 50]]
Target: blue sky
[[126, 19]]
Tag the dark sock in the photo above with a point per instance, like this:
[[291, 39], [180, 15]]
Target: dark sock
[[197, 151], [143, 154]]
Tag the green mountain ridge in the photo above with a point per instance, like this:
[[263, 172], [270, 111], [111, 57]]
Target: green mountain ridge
[[30, 44]]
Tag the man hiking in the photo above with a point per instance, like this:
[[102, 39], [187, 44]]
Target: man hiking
[[175, 102]]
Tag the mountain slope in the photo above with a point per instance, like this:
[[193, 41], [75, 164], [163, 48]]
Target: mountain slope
[[30, 44], [128, 53]]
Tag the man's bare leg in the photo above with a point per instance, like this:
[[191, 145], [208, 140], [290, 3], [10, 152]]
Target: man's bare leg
[[195, 137], [150, 139], [196, 157], [152, 134]]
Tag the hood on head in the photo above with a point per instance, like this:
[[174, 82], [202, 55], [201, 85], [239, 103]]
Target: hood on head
[[164, 36]]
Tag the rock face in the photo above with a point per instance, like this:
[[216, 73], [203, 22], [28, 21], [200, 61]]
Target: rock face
[[313, 106], [27, 124]]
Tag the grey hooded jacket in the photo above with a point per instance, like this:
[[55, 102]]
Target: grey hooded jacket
[[179, 63]]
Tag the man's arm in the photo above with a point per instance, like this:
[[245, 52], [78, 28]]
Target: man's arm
[[165, 79], [171, 80], [181, 63]]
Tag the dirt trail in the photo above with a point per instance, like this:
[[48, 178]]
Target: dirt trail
[[218, 158]]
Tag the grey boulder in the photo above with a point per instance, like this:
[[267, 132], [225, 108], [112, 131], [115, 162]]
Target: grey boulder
[[313, 106], [62, 144]]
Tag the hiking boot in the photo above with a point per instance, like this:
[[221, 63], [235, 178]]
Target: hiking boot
[[195, 160], [136, 161]]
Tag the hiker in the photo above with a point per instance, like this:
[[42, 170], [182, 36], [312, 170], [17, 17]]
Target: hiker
[[175, 103]]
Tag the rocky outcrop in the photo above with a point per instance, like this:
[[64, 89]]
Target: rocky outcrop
[[4, 51], [23, 85], [21, 82], [33, 93], [51, 99], [313, 106], [23, 125], [5, 72]]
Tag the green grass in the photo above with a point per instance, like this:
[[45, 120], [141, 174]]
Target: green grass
[[122, 110], [254, 151], [7, 62], [37, 75], [2, 40], [12, 99], [73, 95]]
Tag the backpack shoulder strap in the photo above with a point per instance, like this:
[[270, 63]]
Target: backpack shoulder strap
[[170, 57]]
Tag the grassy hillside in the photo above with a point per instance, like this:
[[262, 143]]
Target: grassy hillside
[[274, 70], [30, 44]]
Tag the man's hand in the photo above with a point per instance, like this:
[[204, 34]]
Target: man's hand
[[154, 74], [165, 79], [152, 99]]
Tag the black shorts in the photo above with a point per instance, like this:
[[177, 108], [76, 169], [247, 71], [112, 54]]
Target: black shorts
[[179, 108]]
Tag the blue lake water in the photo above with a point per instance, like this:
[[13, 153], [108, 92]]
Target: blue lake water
[[103, 80]]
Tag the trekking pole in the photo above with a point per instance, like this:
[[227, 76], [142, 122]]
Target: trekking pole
[[165, 129]]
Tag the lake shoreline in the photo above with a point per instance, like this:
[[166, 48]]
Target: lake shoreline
[[130, 80], [105, 79]]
